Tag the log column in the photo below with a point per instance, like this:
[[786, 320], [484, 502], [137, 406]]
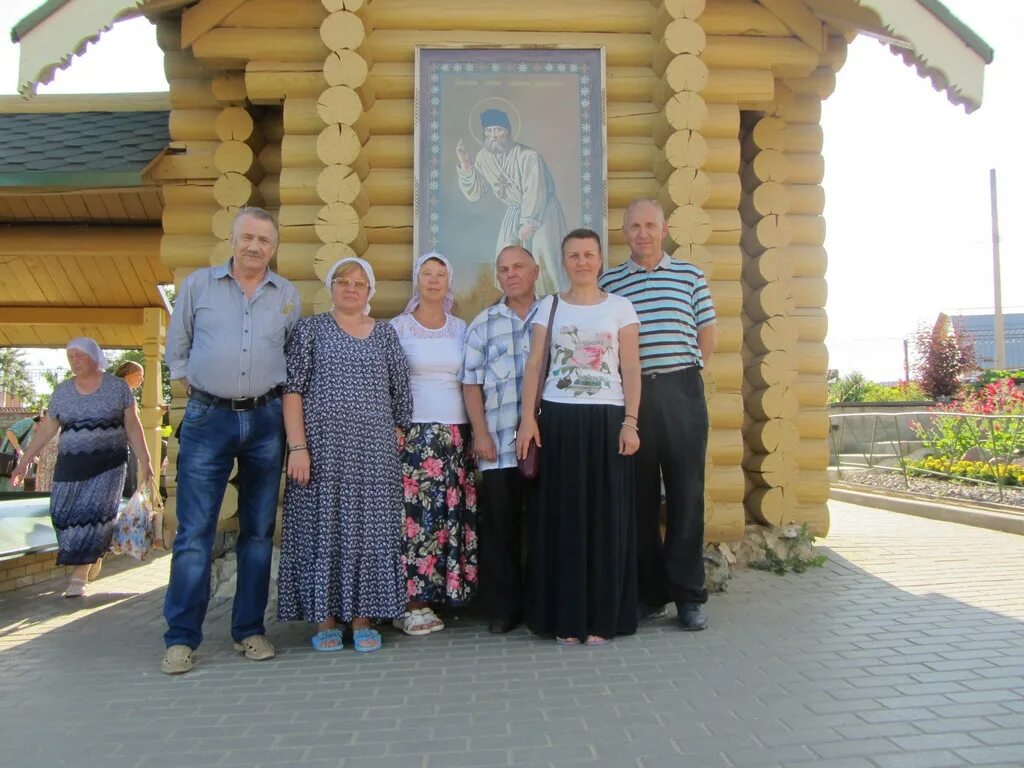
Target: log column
[[340, 112], [689, 167], [770, 402], [187, 173], [803, 148], [154, 321], [237, 160], [187, 170]]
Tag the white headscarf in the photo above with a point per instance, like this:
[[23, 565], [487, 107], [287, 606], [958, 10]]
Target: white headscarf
[[91, 348], [449, 298], [370, 278]]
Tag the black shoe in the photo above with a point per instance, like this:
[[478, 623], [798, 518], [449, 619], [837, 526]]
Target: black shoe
[[692, 617], [646, 612], [503, 625]]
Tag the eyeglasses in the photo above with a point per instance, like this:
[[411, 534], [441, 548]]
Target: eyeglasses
[[344, 282]]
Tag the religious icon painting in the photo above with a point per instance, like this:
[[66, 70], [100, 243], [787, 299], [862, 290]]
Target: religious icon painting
[[510, 150]]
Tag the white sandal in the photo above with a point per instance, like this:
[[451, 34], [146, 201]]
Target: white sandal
[[75, 588], [431, 619], [417, 623]]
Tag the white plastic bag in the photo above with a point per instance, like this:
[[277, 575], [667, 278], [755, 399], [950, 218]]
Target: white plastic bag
[[136, 524]]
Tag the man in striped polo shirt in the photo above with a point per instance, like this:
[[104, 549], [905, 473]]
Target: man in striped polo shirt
[[677, 338]]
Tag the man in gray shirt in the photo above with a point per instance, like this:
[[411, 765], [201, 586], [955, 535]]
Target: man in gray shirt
[[226, 341]]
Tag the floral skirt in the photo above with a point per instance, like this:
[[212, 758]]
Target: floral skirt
[[439, 541]]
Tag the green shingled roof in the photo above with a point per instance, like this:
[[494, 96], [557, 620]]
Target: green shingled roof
[[79, 148]]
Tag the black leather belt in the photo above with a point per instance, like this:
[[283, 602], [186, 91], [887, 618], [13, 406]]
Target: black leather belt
[[237, 404]]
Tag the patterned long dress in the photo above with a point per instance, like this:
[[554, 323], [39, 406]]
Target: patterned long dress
[[440, 526], [341, 533], [89, 474]]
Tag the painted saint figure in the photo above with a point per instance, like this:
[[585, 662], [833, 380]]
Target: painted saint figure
[[519, 177]]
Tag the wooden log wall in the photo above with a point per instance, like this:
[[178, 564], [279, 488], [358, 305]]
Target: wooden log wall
[[696, 165], [783, 281], [188, 174], [310, 114]]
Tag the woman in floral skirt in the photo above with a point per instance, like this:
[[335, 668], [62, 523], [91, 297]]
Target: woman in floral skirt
[[439, 531]]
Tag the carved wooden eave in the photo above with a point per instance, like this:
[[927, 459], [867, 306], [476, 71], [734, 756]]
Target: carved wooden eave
[[926, 35], [59, 30]]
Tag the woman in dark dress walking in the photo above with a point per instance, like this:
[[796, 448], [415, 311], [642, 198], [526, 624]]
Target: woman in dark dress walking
[[97, 418]]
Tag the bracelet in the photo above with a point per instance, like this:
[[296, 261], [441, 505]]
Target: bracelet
[[631, 416], [302, 447], [631, 426]]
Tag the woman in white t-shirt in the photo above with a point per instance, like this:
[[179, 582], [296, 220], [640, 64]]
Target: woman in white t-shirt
[[439, 528], [582, 555]]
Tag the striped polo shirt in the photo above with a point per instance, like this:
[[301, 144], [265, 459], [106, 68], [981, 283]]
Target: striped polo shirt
[[672, 302]]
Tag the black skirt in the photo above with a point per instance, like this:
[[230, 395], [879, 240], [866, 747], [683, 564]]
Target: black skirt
[[582, 554]]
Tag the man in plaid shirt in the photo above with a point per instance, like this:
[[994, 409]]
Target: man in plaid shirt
[[497, 347]]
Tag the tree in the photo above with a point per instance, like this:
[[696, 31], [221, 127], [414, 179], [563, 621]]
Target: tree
[[943, 355], [14, 380]]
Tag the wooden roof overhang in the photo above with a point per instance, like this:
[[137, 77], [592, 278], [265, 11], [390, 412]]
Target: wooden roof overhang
[[924, 33], [80, 241], [67, 280], [82, 190]]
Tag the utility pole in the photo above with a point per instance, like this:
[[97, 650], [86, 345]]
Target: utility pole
[[1000, 332], [906, 361]]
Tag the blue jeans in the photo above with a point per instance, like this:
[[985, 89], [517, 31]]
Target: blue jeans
[[212, 437]]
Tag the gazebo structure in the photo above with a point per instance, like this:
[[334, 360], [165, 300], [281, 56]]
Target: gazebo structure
[[713, 106], [80, 229]]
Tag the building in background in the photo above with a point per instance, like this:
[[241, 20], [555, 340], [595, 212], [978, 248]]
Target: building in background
[[713, 108], [981, 330]]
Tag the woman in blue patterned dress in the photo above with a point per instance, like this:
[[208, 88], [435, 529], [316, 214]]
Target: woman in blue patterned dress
[[97, 418], [347, 395]]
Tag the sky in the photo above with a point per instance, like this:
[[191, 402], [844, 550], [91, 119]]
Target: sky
[[906, 179]]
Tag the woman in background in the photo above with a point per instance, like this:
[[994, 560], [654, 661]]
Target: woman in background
[[133, 375], [97, 418]]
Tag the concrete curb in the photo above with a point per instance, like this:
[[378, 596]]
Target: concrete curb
[[994, 520]]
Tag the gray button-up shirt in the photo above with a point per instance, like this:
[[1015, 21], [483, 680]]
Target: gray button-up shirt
[[225, 343]]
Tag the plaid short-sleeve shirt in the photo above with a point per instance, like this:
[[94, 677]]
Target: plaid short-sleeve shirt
[[497, 347]]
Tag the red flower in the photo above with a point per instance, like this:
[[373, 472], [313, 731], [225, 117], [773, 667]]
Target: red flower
[[453, 497]]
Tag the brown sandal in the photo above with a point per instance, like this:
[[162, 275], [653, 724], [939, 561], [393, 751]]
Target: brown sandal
[[256, 648], [177, 660]]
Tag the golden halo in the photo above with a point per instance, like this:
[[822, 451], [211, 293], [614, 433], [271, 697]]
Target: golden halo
[[493, 102]]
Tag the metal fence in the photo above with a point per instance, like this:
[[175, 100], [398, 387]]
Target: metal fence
[[970, 449]]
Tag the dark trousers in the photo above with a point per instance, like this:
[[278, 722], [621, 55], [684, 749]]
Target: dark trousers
[[504, 495], [673, 423]]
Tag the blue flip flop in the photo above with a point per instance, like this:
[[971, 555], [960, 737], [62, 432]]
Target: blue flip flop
[[324, 636], [362, 635]]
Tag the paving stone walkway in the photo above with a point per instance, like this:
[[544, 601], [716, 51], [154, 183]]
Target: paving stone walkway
[[905, 651]]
